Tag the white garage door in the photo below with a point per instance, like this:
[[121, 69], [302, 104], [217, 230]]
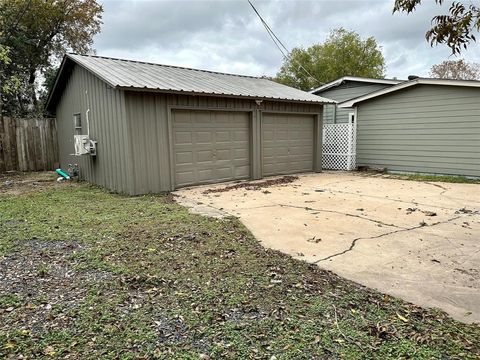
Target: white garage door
[[210, 146], [287, 144]]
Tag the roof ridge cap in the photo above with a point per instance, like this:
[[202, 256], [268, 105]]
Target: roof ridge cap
[[170, 66]]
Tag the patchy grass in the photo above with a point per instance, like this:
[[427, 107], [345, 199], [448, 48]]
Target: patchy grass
[[423, 177], [89, 274], [441, 178]]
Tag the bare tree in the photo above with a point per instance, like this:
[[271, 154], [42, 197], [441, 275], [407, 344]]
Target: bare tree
[[456, 69]]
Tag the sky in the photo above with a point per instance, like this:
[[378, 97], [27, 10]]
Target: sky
[[227, 36]]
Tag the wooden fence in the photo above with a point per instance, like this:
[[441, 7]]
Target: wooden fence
[[28, 144]]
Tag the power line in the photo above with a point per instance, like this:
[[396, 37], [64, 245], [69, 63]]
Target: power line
[[279, 43], [270, 32]]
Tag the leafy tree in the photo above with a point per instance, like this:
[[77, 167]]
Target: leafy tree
[[8, 84], [455, 29], [344, 53], [38, 33], [49, 75], [456, 69]]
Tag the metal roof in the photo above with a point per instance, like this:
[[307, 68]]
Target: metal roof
[[406, 84], [128, 74], [340, 81]]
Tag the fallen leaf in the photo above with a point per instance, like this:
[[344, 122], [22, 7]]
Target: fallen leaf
[[404, 319], [9, 345], [49, 351]]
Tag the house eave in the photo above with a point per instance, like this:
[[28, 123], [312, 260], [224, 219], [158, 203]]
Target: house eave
[[419, 81], [340, 81]]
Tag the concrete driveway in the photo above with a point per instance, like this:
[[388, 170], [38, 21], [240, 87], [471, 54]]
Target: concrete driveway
[[419, 241]]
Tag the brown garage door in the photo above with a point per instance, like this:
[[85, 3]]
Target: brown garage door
[[210, 146], [287, 144]]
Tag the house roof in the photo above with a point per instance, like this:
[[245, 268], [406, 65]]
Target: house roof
[[344, 79], [406, 84], [128, 74]]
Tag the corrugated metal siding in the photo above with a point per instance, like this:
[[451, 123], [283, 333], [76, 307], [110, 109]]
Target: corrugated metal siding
[[107, 126], [430, 129], [346, 91], [148, 116]]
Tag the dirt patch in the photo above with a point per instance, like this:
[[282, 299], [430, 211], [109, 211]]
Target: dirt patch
[[17, 183], [39, 284], [254, 185], [170, 198]]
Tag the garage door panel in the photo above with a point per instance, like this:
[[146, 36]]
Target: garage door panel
[[241, 136], [242, 171], [241, 154], [184, 158], [203, 175], [267, 135], [287, 143], [224, 155], [182, 119], [204, 156], [203, 137], [301, 151], [210, 146], [222, 136], [281, 135], [185, 177], [183, 137]]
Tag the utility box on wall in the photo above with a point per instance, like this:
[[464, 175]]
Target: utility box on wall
[[82, 145]]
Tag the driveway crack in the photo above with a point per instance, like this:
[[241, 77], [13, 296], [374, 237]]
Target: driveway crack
[[411, 202], [342, 213], [354, 241]]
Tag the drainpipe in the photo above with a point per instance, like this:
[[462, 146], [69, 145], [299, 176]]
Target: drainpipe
[[88, 123]]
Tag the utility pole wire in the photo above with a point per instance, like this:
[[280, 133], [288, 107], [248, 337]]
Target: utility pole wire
[[275, 39]]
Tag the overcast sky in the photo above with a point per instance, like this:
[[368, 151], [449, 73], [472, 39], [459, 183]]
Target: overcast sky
[[227, 36]]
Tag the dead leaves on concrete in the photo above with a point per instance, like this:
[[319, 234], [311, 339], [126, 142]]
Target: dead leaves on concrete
[[255, 185]]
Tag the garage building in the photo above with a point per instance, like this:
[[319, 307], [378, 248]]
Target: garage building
[[150, 128]]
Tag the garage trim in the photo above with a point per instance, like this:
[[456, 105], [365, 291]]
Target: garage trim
[[171, 108]]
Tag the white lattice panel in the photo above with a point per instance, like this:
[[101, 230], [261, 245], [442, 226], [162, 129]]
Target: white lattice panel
[[339, 146]]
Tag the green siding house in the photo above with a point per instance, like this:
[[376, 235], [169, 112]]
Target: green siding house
[[421, 125], [347, 88]]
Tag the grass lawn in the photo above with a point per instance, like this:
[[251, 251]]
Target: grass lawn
[[442, 178], [86, 274], [456, 179]]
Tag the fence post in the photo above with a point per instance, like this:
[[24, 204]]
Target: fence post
[[349, 146]]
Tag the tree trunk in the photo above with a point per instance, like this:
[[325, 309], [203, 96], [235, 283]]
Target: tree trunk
[[31, 83]]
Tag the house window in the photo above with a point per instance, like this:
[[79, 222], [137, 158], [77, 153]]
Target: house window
[[351, 118], [77, 123]]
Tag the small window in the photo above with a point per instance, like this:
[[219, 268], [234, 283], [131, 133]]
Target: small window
[[351, 118], [77, 121]]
